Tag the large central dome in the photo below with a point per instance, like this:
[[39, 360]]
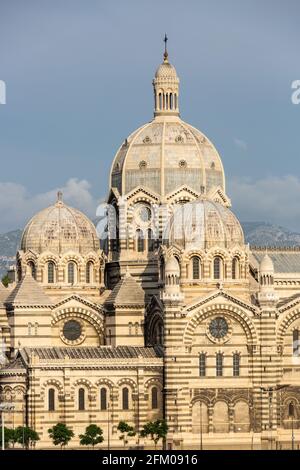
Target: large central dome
[[167, 153]]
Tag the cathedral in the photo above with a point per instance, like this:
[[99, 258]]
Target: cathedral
[[170, 316]]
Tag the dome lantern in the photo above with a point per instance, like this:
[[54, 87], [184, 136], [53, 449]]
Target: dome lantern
[[166, 87]]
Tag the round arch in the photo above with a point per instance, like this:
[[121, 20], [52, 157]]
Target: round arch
[[231, 310]]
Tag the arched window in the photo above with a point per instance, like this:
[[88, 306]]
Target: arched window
[[154, 398], [171, 100], [125, 398], [236, 365], [296, 349], [219, 365], [151, 241], [29, 329], [196, 267], [36, 328], [140, 241], [81, 399], [217, 267], [103, 399], [202, 365], [71, 272], [136, 329], [291, 410], [51, 271], [89, 272], [32, 268], [51, 399], [160, 101], [235, 268]]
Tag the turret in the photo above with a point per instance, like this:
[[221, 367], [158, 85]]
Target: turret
[[172, 279], [266, 280]]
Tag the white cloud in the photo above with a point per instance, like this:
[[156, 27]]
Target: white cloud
[[17, 205], [272, 199], [241, 144]]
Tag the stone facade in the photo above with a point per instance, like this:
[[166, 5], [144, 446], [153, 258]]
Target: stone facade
[[173, 316]]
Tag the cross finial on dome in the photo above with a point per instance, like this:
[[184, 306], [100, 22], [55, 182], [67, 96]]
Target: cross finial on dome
[[59, 196], [166, 51]]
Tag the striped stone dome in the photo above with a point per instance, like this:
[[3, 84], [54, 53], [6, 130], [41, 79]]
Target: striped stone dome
[[58, 229], [203, 224]]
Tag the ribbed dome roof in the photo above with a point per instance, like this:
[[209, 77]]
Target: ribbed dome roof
[[166, 70], [164, 155], [203, 224], [60, 228]]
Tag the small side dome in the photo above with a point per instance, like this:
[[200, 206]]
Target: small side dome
[[266, 264], [202, 224], [59, 228]]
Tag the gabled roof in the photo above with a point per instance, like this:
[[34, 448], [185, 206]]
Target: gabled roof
[[126, 292], [28, 293], [284, 260]]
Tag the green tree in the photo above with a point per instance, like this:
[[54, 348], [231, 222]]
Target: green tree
[[156, 430], [9, 437], [93, 435], [5, 280], [126, 431], [26, 436], [60, 434]]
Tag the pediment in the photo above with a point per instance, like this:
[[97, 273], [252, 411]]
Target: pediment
[[181, 194], [288, 303], [75, 298], [218, 195], [142, 194], [217, 297]]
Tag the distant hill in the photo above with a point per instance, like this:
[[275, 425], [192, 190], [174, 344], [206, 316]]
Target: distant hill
[[256, 233], [9, 243], [264, 234]]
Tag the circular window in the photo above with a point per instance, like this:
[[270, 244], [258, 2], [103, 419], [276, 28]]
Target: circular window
[[179, 139], [72, 330], [218, 327], [182, 164], [147, 140], [143, 165]]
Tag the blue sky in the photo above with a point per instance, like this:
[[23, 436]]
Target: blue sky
[[78, 77]]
